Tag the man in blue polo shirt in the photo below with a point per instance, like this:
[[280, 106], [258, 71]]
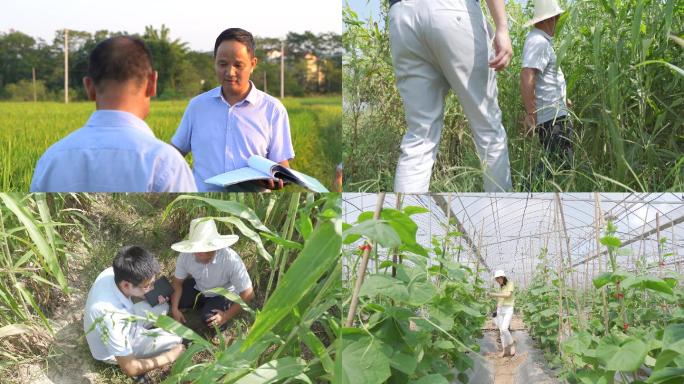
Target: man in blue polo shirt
[[115, 151], [223, 127]]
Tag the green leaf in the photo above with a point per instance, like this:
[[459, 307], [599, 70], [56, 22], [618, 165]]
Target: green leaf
[[318, 348], [402, 224], [431, 379], [384, 285], [611, 241], [403, 362], [281, 241], [602, 279], [376, 230], [626, 358], [169, 324], [364, 363], [232, 297], [666, 374], [232, 207], [412, 210], [647, 282], [250, 234], [305, 226], [321, 251], [420, 293], [48, 257], [275, 371]]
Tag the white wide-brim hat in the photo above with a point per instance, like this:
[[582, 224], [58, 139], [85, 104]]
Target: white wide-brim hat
[[544, 9], [499, 273], [204, 237]]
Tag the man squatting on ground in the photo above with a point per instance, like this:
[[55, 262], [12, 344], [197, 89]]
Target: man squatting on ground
[[206, 262], [542, 84], [113, 337], [439, 45]]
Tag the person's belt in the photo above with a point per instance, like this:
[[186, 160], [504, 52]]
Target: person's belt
[[392, 2]]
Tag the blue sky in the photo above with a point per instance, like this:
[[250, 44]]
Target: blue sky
[[197, 22]]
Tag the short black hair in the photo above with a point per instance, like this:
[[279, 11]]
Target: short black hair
[[120, 58], [134, 264], [239, 35], [505, 280]]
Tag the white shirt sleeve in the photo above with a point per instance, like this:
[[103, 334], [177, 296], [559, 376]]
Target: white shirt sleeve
[[181, 267], [238, 276], [115, 329], [181, 139], [175, 175], [280, 147], [536, 53]]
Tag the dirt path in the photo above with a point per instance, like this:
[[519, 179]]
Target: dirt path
[[527, 366]]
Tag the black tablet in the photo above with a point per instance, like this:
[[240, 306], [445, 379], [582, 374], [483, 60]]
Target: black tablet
[[161, 287]]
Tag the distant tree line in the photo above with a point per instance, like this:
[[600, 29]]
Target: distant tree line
[[313, 64]]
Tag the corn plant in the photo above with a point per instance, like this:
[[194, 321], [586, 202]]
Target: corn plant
[[292, 337]]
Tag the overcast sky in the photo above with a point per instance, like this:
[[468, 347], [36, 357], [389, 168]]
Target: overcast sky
[[196, 22]]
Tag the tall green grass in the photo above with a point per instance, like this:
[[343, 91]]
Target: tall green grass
[[28, 129], [624, 74]]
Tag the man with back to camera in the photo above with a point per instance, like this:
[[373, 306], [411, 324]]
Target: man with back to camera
[[116, 151], [223, 127], [111, 334], [542, 86]]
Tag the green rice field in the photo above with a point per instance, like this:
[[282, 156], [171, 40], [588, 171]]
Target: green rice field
[[28, 129]]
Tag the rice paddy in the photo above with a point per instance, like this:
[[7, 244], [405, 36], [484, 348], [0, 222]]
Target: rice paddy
[[28, 129]]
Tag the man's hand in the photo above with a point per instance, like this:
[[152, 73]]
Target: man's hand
[[161, 299], [177, 315], [530, 123], [503, 49], [273, 184], [217, 319]]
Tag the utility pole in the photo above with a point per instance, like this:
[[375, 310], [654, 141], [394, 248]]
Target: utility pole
[[33, 70], [282, 69], [265, 83], [66, 66]]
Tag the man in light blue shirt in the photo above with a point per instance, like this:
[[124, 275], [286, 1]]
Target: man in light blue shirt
[[223, 127], [115, 151]]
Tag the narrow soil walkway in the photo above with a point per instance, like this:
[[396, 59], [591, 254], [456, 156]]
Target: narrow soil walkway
[[527, 366]]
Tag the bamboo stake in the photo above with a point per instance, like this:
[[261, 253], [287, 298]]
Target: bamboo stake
[[396, 250], [362, 267], [597, 227]]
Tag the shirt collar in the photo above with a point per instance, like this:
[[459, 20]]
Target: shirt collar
[[546, 35], [125, 301], [252, 96], [114, 118]]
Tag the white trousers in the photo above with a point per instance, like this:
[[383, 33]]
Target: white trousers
[[437, 45], [150, 342], [504, 315]]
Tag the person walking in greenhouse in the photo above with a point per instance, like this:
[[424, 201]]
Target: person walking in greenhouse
[[439, 45], [223, 127], [542, 84], [206, 261], [113, 337], [505, 300], [116, 151]]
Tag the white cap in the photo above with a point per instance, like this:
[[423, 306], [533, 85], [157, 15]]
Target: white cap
[[499, 273], [544, 9]]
